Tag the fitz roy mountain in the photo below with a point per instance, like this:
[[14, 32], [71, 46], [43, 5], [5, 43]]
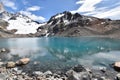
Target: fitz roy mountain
[[63, 24]]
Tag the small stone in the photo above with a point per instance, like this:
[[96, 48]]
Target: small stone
[[73, 75], [48, 73], [15, 69], [15, 77], [56, 75], [41, 78], [23, 73], [79, 68], [3, 69], [3, 50], [103, 78], [69, 73], [19, 71], [118, 76], [38, 73], [36, 63], [23, 61], [10, 64]]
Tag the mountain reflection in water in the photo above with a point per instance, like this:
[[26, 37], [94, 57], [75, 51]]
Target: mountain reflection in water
[[65, 51]]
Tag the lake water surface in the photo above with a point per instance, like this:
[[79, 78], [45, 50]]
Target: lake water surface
[[64, 52]]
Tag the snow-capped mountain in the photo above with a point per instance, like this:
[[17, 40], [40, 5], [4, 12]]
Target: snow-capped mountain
[[21, 24], [61, 24], [68, 24]]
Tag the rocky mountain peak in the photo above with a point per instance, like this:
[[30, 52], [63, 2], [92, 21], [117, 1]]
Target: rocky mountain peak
[[65, 17], [68, 24]]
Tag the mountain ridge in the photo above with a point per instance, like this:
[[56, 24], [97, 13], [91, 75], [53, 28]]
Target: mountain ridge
[[63, 24], [68, 25]]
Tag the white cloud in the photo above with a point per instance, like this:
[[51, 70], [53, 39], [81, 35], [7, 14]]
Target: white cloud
[[33, 8], [88, 7], [80, 2], [9, 3], [33, 16], [113, 13]]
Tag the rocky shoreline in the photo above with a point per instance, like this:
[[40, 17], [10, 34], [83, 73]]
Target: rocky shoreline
[[76, 73], [15, 71], [20, 69]]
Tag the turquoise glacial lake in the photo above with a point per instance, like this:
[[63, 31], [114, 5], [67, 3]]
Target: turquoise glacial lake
[[58, 53]]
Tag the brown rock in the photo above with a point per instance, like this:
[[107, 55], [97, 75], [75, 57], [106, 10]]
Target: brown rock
[[116, 66], [23, 61], [13, 30], [10, 64]]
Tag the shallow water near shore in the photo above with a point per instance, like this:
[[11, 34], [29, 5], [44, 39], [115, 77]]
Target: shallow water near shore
[[60, 53]]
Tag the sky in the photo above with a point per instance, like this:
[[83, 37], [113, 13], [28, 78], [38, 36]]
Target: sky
[[42, 10]]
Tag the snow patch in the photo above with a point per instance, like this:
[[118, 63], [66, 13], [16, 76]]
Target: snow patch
[[90, 19], [59, 15], [50, 23], [66, 22], [102, 22], [23, 25]]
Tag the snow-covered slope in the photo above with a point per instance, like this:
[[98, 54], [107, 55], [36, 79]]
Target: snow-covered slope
[[22, 24]]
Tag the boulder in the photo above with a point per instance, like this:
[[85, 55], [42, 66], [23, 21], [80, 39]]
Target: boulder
[[38, 73], [10, 64], [78, 68], [22, 61], [3, 50], [48, 73], [116, 66]]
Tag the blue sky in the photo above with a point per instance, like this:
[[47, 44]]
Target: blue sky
[[42, 10]]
